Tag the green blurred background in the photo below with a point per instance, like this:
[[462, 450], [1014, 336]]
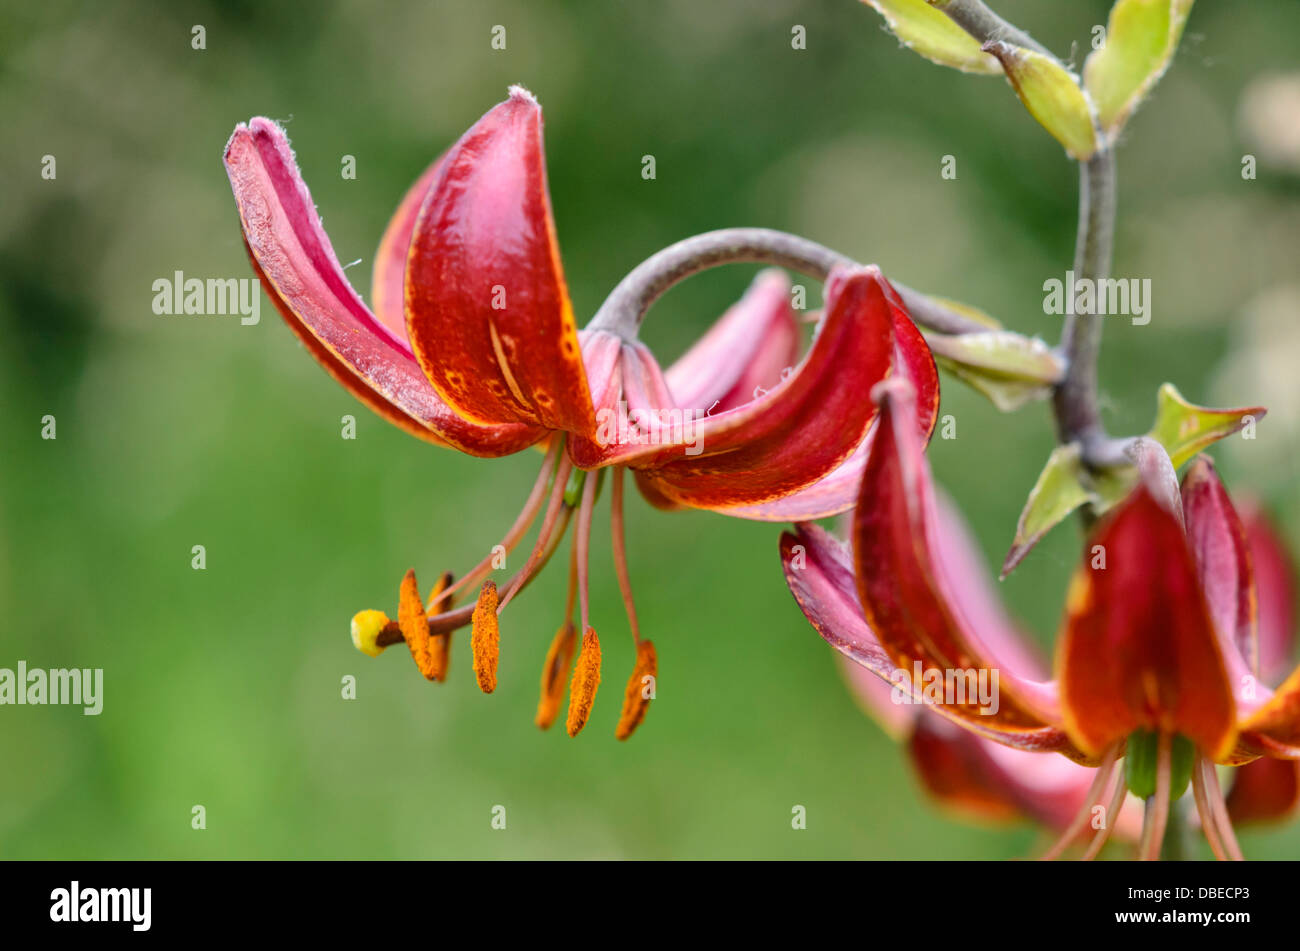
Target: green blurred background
[[223, 685]]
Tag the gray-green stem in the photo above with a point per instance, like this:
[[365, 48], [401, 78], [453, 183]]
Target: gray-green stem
[[1078, 416], [628, 302], [979, 21]]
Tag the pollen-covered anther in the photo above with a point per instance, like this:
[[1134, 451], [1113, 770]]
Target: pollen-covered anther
[[586, 678], [640, 690], [440, 644], [485, 637], [554, 673], [368, 628], [414, 625]]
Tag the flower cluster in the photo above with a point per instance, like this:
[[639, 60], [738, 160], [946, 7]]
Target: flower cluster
[[1173, 625]]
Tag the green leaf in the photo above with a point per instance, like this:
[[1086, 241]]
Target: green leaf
[[1184, 429], [1052, 95], [1009, 368], [1008, 395], [1060, 490], [1141, 38], [1002, 352], [1181, 428], [933, 35]]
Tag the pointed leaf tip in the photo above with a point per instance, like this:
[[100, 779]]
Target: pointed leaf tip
[[1052, 95], [1141, 39], [1184, 428], [932, 34], [1060, 490]]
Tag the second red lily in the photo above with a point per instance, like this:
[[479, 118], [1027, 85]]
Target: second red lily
[[1157, 658]]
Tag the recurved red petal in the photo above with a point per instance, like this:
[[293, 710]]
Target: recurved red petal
[[386, 294], [304, 279], [1275, 726], [742, 355], [837, 491], [487, 309], [977, 777], [909, 581], [819, 572], [1266, 790], [1139, 647], [787, 438], [984, 780], [956, 770]]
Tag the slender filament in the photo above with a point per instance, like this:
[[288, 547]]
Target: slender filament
[[553, 507], [519, 529], [1214, 811], [1119, 790], [582, 541], [454, 620], [1157, 807], [620, 552], [1104, 770], [1209, 825]]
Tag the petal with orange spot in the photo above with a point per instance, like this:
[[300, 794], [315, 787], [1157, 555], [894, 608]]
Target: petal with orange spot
[[302, 275], [1139, 647], [487, 308]]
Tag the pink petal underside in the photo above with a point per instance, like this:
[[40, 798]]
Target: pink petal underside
[[1275, 579], [819, 572], [301, 271], [994, 780], [386, 288], [984, 778], [1218, 543], [971, 589], [745, 352], [1275, 592], [913, 588], [838, 491], [971, 585]]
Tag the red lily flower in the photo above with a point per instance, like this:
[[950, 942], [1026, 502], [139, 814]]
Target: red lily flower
[[1157, 652], [973, 776], [472, 344]]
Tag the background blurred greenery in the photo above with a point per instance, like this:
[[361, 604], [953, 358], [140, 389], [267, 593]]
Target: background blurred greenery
[[223, 685]]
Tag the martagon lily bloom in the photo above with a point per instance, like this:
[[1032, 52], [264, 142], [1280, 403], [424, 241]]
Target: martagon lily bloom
[[472, 344], [1158, 657], [969, 775]]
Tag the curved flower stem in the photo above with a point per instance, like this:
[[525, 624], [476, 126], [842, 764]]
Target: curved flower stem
[[979, 21], [1075, 398], [627, 303]]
